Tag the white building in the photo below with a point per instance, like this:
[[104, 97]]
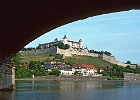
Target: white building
[[84, 69], [64, 41]]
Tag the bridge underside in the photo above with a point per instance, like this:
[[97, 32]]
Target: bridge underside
[[24, 20]]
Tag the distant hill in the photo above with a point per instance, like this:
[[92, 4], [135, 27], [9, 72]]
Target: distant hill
[[97, 62]]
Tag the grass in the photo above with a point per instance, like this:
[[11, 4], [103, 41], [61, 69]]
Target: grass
[[36, 57], [97, 62]]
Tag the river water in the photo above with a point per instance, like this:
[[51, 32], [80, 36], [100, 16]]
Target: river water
[[67, 90]]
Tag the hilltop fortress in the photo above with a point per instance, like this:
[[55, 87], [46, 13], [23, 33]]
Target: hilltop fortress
[[75, 48]]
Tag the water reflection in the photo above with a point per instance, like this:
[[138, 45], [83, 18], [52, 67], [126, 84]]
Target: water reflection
[[66, 90], [7, 95]]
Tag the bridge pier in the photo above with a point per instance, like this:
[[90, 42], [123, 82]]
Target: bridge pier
[[7, 76]]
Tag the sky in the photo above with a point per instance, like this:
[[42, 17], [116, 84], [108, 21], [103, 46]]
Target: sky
[[118, 33]]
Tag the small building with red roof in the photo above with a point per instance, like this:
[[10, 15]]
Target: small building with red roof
[[84, 69]]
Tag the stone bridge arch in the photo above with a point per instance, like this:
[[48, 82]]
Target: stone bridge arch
[[24, 20]]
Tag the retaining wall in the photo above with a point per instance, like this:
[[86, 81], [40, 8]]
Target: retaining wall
[[69, 78], [131, 77]]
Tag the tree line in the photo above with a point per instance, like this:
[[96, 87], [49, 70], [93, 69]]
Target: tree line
[[101, 52], [24, 70], [117, 71]]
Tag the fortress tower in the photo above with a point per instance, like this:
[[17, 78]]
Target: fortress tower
[[80, 44], [65, 40]]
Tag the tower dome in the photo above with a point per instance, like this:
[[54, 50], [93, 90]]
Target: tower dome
[[65, 37], [80, 40], [56, 40]]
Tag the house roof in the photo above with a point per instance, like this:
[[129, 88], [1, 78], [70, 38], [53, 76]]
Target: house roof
[[101, 69], [88, 66], [76, 65], [58, 64], [83, 66]]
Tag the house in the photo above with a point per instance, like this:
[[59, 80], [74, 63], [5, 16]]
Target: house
[[84, 69], [65, 70], [48, 66], [107, 69], [101, 69]]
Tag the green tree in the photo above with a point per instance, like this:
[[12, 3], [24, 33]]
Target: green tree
[[38, 47], [107, 53], [59, 58], [128, 62], [62, 46], [55, 72], [76, 73], [20, 71]]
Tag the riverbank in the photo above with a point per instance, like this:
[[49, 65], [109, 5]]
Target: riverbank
[[67, 78]]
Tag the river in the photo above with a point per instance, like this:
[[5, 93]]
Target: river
[[67, 90]]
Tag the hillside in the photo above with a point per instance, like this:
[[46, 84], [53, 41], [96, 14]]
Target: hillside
[[36, 57], [97, 62]]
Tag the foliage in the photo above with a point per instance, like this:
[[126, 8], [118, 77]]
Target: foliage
[[97, 62], [128, 62], [76, 73], [100, 52], [69, 63], [117, 72], [33, 67], [25, 49], [16, 59], [20, 71], [38, 47], [55, 72], [59, 58], [62, 45]]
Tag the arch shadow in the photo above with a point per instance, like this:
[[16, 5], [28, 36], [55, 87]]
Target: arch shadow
[[25, 20]]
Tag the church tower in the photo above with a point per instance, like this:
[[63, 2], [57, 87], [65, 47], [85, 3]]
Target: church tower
[[80, 44], [65, 40]]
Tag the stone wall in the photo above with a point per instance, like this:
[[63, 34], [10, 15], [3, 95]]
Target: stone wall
[[70, 78], [93, 54], [52, 50], [72, 51], [7, 77], [122, 64], [34, 51], [111, 59], [131, 77]]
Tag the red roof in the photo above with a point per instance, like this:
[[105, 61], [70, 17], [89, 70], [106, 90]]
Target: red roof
[[58, 64], [88, 66], [76, 66], [101, 69]]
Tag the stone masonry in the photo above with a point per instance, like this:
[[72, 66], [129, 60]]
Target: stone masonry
[[7, 77]]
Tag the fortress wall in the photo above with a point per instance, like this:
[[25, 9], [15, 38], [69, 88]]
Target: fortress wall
[[52, 50], [93, 54], [64, 52], [131, 77], [111, 59], [133, 65], [34, 51], [122, 64], [72, 51]]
